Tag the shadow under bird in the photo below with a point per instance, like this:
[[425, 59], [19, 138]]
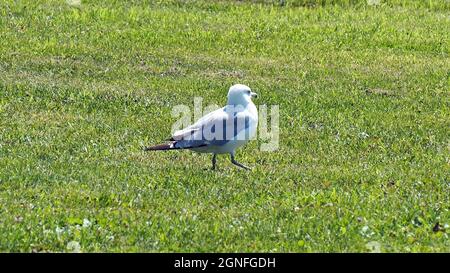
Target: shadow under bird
[[221, 131]]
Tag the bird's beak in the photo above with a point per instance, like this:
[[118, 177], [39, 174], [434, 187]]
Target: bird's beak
[[253, 95]]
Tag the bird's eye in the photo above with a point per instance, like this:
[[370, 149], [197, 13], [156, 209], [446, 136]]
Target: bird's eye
[[248, 92]]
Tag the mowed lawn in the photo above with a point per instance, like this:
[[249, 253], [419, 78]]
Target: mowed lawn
[[363, 158]]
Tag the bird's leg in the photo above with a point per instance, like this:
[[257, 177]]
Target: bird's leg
[[214, 162], [237, 163]]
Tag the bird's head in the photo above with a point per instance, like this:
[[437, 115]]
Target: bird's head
[[240, 94]]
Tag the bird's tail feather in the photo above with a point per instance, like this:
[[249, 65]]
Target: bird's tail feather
[[172, 146], [161, 147]]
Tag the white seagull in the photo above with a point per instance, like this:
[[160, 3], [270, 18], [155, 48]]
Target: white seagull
[[221, 131]]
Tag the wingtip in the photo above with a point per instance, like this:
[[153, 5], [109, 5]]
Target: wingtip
[[160, 147]]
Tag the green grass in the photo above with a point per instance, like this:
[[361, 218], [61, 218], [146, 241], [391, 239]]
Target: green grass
[[364, 126]]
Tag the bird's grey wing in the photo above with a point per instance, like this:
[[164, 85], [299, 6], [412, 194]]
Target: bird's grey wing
[[194, 135], [222, 128], [217, 128], [186, 132]]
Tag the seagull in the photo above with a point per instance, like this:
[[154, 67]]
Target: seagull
[[221, 131]]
